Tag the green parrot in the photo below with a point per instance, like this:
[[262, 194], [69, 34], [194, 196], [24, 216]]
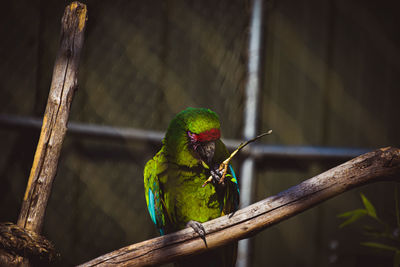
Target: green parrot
[[173, 179]]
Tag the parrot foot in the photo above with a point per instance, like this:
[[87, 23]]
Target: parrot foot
[[199, 229], [216, 175]]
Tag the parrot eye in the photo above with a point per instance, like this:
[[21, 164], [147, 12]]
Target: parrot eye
[[193, 137], [193, 140]]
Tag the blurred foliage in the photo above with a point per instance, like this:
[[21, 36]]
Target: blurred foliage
[[385, 235]]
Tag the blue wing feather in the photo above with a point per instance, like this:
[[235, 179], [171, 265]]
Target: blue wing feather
[[151, 207], [155, 207], [235, 182], [234, 179], [154, 194]]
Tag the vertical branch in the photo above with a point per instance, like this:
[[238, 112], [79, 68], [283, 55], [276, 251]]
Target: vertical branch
[[63, 85]]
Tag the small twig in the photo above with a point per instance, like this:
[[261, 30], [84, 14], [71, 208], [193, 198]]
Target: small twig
[[224, 165]]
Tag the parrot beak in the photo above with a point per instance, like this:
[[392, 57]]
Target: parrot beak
[[206, 150]]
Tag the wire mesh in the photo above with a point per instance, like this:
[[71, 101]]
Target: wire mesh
[[142, 63], [327, 83]]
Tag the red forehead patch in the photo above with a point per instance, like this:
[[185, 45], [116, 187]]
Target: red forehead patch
[[205, 136]]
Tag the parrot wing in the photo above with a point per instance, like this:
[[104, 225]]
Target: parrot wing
[[232, 192], [154, 192], [231, 198]]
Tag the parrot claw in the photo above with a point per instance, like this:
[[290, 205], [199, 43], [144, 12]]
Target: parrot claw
[[217, 175], [199, 229]]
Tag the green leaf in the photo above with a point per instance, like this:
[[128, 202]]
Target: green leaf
[[373, 232], [352, 213], [368, 206], [352, 216], [380, 246]]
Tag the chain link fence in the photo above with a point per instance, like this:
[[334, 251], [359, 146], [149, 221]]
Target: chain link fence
[[144, 61]]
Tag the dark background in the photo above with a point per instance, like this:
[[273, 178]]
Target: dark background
[[331, 75]]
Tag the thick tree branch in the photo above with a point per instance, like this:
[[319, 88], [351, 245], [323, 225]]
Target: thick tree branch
[[380, 165], [63, 85]]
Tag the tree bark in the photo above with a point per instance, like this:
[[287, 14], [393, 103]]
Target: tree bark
[[63, 85], [379, 165]]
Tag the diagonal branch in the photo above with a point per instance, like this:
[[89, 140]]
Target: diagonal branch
[[379, 165]]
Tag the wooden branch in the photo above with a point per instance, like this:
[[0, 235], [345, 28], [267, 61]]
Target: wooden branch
[[63, 85], [380, 165]]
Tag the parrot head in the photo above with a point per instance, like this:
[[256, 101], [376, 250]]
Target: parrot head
[[191, 136], [204, 143]]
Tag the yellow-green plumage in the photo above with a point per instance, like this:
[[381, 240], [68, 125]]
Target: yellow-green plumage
[[173, 182]]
